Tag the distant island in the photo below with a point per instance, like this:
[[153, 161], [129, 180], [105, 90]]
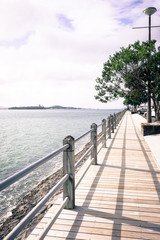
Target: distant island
[[39, 107], [61, 107]]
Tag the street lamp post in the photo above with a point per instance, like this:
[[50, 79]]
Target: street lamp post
[[149, 11]]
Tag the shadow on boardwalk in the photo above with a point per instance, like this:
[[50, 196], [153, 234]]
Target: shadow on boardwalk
[[118, 218]]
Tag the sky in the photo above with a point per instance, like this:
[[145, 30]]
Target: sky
[[52, 51]]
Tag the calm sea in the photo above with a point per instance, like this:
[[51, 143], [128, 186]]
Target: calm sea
[[27, 135]]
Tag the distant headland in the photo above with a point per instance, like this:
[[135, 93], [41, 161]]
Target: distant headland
[[39, 107]]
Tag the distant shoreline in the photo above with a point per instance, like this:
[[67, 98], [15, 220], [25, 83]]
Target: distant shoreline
[[41, 107]]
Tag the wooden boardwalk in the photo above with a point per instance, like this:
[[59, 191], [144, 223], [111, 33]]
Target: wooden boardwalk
[[117, 199]]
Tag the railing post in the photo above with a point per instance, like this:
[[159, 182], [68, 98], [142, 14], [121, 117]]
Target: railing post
[[114, 120], [104, 132], [68, 168], [118, 118], [112, 124], [109, 127], [94, 143]]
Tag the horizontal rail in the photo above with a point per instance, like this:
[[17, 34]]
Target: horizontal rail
[[83, 135], [99, 125], [10, 180], [81, 177], [99, 149], [107, 128], [82, 158], [99, 139], [35, 210], [52, 220]]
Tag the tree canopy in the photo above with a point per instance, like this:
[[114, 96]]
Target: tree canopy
[[127, 73]]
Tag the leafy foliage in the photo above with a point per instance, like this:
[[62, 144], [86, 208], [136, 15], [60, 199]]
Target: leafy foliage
[[127, 74]]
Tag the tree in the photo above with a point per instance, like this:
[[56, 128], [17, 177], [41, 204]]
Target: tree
[[127, 73]]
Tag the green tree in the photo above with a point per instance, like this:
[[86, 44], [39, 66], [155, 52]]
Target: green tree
[[127, 73]]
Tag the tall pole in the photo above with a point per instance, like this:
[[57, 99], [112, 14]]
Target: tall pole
[[149, 116], [149, 11], [149, 35]]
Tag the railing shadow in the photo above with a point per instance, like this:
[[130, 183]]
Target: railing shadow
[[90, 194]]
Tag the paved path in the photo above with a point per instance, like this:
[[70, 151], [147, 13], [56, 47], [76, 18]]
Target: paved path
[[152, 140], [117, 199]]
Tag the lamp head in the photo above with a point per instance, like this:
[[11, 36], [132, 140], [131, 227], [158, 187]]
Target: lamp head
[[149, 11]]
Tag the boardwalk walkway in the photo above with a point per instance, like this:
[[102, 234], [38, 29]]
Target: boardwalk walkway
[[117, 199]]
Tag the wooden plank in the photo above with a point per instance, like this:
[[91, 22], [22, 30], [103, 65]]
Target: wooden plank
[[119, 198]]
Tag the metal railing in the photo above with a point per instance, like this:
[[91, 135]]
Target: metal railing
[[69, 166]]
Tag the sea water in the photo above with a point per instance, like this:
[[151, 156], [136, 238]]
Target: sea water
[[28, 135]]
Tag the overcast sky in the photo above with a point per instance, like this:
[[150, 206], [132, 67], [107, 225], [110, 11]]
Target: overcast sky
[[51, 51]]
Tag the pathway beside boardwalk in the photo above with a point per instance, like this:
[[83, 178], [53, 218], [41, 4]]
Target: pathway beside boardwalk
[[152, 140], [117, 199]]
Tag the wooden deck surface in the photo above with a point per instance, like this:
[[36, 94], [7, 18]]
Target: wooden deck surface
[[117, 199]]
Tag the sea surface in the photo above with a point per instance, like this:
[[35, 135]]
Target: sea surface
[[28, 135]]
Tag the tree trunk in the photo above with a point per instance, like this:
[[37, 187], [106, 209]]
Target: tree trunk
[[156, 108]]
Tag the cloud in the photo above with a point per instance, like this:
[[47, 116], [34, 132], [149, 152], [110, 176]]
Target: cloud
[[17, 42], [52, 51], [125, 21], [65, 23]]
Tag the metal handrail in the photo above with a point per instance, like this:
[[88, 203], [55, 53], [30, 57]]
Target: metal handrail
[[99, 125], [35, 210], [83, 157], [52, 220], [10, 180], [81, 177], [83, 135], [99, 139]]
